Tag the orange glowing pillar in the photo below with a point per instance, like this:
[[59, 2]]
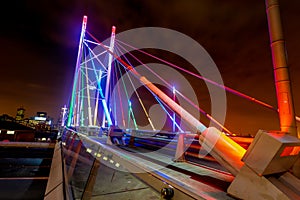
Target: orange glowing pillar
[[281, 74], [226, 151]]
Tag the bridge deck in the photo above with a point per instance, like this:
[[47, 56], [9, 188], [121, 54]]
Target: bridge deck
[[193, 181]]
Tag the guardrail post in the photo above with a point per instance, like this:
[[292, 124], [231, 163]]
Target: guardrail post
[[70, 146], [74, 160], [88, 190]]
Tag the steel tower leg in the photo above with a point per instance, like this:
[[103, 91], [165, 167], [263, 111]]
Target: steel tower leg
[[72, 103], [282, 80], [281, 73], [110, 58]]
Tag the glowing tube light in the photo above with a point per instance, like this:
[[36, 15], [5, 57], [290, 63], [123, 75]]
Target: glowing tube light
[[174, 114], [10, 132], [71, 111], [109, 66], [132, 114], [109, 121]]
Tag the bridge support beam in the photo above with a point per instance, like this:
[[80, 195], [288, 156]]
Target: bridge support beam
[[265, 174], [108, 76], [281, 73], [282, 79], [226, 151]]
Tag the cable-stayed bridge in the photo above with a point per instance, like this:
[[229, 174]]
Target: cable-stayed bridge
[[174, 153]]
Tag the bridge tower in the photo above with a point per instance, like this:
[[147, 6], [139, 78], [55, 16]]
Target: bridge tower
[[73, 120], [87, 88], [109, 67]]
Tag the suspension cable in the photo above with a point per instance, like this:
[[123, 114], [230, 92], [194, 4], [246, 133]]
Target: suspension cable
[[169, 115], [127, 97], [228, 89], [139, 98], [183, 96], [120, 100]]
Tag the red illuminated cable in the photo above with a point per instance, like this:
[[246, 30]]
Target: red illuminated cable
[[130, 68], [139, 98], [183, 96], [120, 100], [203, 78]]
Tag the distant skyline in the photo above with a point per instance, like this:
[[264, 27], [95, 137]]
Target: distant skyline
[[25, 114], [39, 43]]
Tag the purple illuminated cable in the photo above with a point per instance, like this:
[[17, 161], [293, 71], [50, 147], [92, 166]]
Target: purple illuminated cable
[[160, 102], [183, 96], [127, 96], [120, 100], [205, 79], [139, 98], [122, 62], [94, 56], [164, 106], [143, 64], [169, 115]]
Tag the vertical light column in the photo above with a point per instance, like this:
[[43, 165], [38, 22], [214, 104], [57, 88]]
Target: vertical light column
[[64, 114], [97, 97], [281, 73], [80, 101], [132, 115], [174, 114], [71, 110], [110, 58], [88, 97], [106, 112]]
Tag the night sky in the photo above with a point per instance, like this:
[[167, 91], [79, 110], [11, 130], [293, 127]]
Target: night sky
[[39, 43]]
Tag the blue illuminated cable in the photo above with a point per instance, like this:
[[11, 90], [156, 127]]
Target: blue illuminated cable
[[169, 115]]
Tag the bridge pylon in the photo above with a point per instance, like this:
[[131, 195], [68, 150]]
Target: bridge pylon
[[87, 91]]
